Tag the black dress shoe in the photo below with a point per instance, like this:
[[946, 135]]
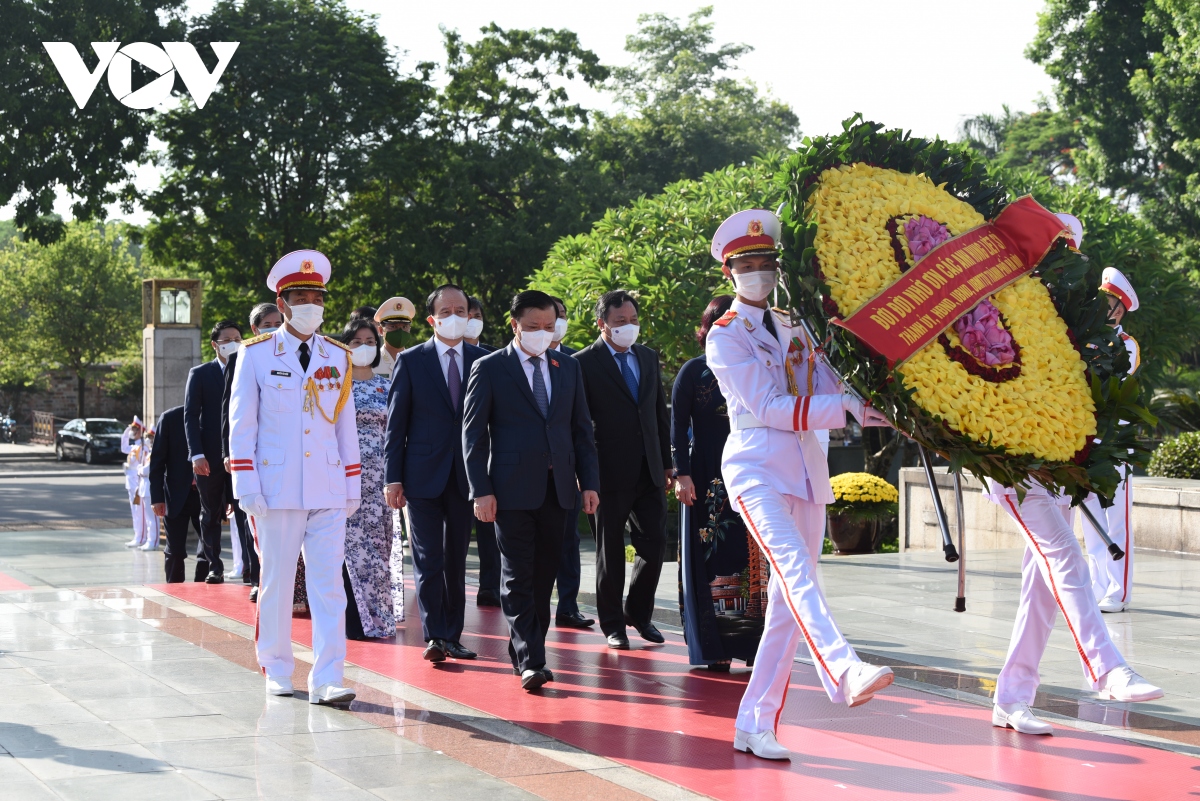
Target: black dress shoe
[[456, 650], [254, 594], [435, 651], [532, 679], [215, 578], [649, 632], [487, 598], [549, 674], [575, 621], [618, 641]]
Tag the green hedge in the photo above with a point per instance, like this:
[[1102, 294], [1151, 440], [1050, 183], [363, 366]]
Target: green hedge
[[1177, 457]]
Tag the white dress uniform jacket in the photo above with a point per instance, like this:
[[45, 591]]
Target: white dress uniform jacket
[[768, 439], [295, 458]]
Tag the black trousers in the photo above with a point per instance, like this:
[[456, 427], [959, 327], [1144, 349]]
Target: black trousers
[[489, 556], [212, 512], [439, 537], [530, 543], [175, 554], [645, 509], [250, 566]]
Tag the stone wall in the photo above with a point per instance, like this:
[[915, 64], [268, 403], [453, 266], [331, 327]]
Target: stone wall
[[1166, 514], [59, 398]]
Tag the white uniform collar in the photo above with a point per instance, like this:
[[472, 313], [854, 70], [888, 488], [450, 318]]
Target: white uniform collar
[[291, 344], [747, 312]]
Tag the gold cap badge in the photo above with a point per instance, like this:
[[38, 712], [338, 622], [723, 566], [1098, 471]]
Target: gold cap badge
[[755, 228], [306, 266]]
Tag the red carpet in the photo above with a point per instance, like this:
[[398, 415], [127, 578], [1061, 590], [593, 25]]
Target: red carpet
[[647, 709], [9, 583]]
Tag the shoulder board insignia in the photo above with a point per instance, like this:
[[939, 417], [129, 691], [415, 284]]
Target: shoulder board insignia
[[726, 318], [340, 344], [257, 339]]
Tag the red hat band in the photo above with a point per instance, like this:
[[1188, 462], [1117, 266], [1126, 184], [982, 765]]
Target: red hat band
[[308, 280], [1116, 291], [746, 244]]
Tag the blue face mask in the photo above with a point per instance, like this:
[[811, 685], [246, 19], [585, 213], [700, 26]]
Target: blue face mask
[[268, 330]]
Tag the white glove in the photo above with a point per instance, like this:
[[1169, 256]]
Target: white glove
[[866, 416], [352, 505], [255, 505]]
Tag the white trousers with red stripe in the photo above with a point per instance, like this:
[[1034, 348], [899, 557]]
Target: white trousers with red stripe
[[790, 531], [281, 536], [1111, 579], [1054, 577]]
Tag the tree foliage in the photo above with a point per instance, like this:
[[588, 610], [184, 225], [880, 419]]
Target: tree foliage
[[1045, 140]]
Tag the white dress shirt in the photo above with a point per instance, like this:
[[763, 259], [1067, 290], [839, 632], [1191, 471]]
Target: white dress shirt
[[631, 357], [443, 352], [527, 366], [292, 343]]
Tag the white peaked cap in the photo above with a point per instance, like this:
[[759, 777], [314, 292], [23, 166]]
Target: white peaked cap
[[1114, 282]]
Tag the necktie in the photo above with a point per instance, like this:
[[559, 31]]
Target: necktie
[[627, 373], [304, 356], [539, 386], [453, 379], [769, 323]]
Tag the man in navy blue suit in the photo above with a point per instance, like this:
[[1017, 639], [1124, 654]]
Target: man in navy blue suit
[[527, 436], [173, 490], [425, 468], [202, 424]]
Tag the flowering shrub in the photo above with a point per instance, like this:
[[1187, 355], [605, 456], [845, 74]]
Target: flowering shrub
[[863, 496]]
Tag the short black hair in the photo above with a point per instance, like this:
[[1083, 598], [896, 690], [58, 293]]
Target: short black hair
[[473, 304], [363, 313], [437, 293], [611, 300], [560, 303], [357, 324], [530, 299], [260, 311], [221, 326]]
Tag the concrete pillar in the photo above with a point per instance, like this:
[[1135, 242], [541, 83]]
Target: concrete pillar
[[171, 317]]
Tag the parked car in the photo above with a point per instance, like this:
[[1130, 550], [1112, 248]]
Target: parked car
[[92, 439]]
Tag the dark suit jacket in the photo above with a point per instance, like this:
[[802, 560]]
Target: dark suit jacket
[[202, 411], [625, 425], [225, 393], [487, 348], [170, 467], [508, 442], [423, 447], [566, 349]]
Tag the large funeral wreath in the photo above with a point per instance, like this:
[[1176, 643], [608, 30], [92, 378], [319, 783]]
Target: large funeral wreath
[[1031, 385]]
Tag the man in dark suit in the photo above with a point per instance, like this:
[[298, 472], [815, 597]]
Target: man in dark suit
[[629, 412], [173, 490], [528, 441], [202, 422], [568, 615], [264, 319], [485, 533], [425, 468]]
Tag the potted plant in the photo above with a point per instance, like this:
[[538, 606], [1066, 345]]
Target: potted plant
[[863, 503]]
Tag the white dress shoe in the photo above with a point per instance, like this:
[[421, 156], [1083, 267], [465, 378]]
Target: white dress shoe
[[150, 546], [1111, 605], [281, 686], [331, 694], [131, 544], [862, 681], [1124, 684], [762, 745], [1018, 716]]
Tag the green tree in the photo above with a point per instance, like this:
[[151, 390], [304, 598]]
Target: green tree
[[46, 141], [265, 168], [1044, 140], [658, 248], [72, 304], [685, 113]]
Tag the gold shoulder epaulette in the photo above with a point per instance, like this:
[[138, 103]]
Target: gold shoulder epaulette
[[337, 342], [726, 318], [256, 340]]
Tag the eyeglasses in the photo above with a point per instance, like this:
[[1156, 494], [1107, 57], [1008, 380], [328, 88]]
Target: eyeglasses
[[392, 325]]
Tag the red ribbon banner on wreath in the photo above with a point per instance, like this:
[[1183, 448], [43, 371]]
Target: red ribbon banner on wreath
[[952, 278]]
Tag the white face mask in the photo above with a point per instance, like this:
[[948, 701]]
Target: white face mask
[[623, 336], [227, 349], [452, 327], [363, 355], [474, 328], [756, 286], [306, 318], [535, 342], [560, 329]]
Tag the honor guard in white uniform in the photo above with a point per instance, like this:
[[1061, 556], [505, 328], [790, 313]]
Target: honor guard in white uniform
[[779, 394], [294, 457], [1112, 582], [1055, 576]]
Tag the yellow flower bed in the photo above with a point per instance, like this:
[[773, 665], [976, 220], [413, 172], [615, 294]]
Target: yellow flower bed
[[1047, 411], [863, 488]]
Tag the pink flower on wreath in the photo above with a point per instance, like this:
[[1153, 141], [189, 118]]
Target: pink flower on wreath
[[923, 235], [983, 337]]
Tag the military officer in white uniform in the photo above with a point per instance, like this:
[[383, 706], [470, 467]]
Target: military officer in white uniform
[[294, 457], [779, 395], [1112, 581], [394, 318]]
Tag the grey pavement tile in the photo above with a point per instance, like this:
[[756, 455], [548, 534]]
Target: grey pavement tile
[[33, 694], [85, 655], [224, 753], [65, 762], [12, 771], [147, 636], [45, 714], [16, 737], [17, 676], [467, 788], [157, 706], [281, 779], [116, 688], [281, 716], [191, 727], [59, 675], [30, 791], [123, 625], [374, 772], [160, 652], [319, 746], [132, 787]]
